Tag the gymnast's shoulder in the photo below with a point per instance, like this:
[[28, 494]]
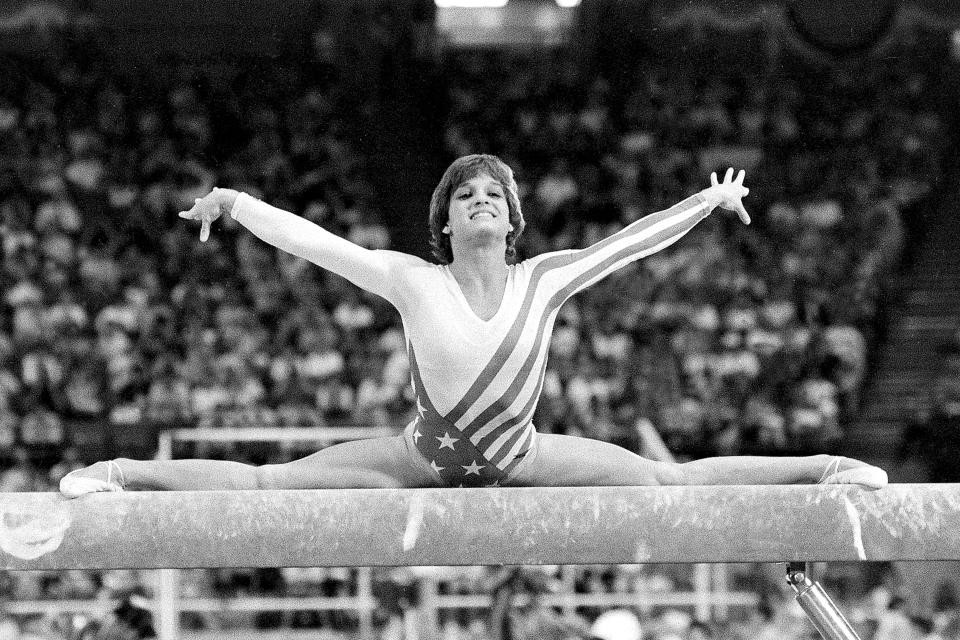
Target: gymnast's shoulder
[[401, 260], [400, 267]]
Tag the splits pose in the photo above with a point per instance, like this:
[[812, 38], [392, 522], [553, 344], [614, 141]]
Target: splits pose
[[478, 334]]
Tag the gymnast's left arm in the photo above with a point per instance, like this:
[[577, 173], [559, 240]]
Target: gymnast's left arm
[[654, 232], [660, 230]]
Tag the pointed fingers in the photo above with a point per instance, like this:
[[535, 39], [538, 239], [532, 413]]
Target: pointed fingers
[[743, 215], [713, 179], [729, 176], [741, 176], [194, 213], [204, 229]]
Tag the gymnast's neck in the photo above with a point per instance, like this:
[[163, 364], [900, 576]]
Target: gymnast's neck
[[482, 266]]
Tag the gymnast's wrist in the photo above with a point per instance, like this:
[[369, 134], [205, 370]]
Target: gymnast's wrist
[[226, 199], [711, 197], [123, 468]]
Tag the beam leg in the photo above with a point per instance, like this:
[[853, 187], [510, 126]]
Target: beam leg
[[818, 606]]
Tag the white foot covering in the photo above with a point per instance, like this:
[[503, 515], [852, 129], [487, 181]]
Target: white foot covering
[[866, 476], [74, 485]]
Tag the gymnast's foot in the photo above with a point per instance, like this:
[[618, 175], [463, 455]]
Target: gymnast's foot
[[100, 476], [842, 470]]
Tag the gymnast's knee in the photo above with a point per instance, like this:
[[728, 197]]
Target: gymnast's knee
[[265, 476], [671, 474]]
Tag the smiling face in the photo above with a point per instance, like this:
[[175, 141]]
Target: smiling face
[[479, 210], [477, 192]]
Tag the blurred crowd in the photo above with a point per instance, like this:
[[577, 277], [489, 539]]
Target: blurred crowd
[[521, 607], [116, 322], [930, 443], [876, 613], [737, 338]]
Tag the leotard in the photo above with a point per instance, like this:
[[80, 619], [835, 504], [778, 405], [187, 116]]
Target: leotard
[[476, 381]]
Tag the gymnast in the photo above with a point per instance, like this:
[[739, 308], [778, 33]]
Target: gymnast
[[478, 329]]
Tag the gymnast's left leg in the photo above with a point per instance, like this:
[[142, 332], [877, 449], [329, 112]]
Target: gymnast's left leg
[[572, 461]]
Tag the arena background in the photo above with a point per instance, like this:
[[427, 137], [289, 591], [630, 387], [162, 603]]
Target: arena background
[[831, 324]]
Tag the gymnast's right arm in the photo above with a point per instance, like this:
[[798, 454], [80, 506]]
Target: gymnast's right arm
[[375, 271], [368, 269]]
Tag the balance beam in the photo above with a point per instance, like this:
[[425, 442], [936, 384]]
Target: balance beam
[[407, 527]]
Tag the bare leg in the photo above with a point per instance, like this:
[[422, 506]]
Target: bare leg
[[187, 475], [571, 461], [759, 469], [568, 461], [373, 463], [213, 475]]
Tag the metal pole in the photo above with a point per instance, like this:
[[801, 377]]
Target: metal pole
[[167, 592], [703, 595], [365, 601], [721, 591], [818, 606], [166, 597]]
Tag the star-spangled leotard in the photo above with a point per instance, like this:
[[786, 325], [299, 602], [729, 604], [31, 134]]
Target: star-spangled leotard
[[476, 381]]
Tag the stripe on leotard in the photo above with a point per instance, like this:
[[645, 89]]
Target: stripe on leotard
[[552, 263], [503, 403], [484, 448]]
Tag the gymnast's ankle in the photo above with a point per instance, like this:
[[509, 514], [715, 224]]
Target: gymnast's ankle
[[100, 476]]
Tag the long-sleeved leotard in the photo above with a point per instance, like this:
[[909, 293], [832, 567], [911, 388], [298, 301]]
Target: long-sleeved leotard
[[477, 381]]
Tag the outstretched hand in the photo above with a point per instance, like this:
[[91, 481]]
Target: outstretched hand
[[728, 194], [206, 210]]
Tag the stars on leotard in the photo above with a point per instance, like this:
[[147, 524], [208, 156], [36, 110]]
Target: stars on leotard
[[451, 455], [446, 440], [473, 468]]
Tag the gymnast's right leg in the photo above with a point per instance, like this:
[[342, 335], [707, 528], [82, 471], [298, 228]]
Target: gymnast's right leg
[[370, 463]]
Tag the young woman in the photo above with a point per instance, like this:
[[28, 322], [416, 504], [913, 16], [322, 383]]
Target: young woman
[[478, 331]]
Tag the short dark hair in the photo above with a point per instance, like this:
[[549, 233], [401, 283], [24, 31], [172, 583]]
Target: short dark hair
[[461, 170]]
